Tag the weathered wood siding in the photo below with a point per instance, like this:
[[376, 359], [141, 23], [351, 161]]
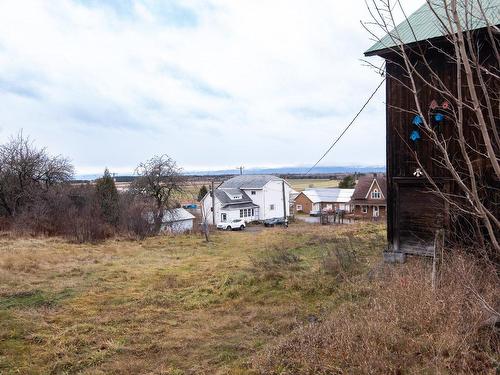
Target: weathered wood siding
[[411, 212]]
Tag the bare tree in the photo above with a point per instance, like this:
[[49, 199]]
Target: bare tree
[[469, 151], [160, 179], [25, 171]]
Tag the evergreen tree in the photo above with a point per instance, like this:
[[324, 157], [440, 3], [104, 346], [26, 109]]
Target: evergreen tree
[[203, 191], [347, 182], [107, 197]]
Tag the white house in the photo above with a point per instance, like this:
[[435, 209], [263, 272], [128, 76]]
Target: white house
[[177, 220], [249, 197]]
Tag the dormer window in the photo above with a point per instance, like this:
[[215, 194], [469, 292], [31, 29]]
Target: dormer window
[[376, 194], [234, 197]]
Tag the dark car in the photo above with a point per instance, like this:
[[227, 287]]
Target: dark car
[[275, 221]]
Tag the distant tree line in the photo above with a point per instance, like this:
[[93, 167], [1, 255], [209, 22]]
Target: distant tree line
[[39, 197]]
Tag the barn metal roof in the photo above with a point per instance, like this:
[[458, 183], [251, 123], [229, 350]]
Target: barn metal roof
[[423, 24], [257, 181], [334, 195]]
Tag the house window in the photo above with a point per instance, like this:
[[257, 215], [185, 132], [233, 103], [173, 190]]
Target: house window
[[253, 192], [299, 207], [376, 194], [364, 209], [252, 212], [271, 207], [241, 213], [223, 217]]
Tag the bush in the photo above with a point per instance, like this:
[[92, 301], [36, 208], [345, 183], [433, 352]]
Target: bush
[[134, 213], [275, 256], [342, 258], [108, 198], [403, 326], [68, 211]]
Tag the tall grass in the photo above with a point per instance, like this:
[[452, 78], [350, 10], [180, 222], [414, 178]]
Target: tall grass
[[404, 326]]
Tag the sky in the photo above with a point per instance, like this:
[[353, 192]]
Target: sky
[[212, 83]]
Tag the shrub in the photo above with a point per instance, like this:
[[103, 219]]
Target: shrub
[[134, 213], [342, 258], [108, 199], [275, 256]]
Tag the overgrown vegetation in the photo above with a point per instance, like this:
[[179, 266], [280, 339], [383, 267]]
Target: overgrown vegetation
[[176, 305], [401, 326], [307, 299], [38, 198]]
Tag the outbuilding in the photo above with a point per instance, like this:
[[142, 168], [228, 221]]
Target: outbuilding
[[437, 135], [177, 220]]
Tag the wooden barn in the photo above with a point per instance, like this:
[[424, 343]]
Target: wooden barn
[[423, 195]]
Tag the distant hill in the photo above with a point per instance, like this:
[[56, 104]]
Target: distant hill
[[293, 170], [281, 170]]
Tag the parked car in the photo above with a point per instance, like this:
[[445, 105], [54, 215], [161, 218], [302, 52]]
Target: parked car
[[275, 221], [190, 206], [232, 225]]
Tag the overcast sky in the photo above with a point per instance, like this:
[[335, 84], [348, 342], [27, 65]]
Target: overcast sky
[[212, 83]]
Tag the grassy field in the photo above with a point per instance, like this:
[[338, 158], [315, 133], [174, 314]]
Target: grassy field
[[309, 299], [302, 184], [168, 305]]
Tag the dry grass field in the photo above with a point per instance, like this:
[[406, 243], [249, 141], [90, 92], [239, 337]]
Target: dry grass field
[[165, 305], [302, 184], [281, 301]]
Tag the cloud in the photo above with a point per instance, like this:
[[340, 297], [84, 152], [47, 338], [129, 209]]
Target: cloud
[[16, 87], [211, 82]]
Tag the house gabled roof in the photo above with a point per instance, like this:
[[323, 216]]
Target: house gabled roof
[[330, 195], [375, 183], [225, 200], [248, 182], [423, 24], [364, 185]]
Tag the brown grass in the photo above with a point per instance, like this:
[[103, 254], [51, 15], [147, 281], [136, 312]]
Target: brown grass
[[245, 303], [403, 326], [169, 305]]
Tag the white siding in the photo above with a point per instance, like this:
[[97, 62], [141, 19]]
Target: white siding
[[207, 208], [178, 226], [271, 194]]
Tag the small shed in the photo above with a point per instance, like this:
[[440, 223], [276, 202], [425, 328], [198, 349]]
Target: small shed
[[177, 220]]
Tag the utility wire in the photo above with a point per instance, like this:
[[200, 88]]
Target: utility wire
[[347, 127]]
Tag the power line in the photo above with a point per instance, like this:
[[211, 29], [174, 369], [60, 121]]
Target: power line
[[347, 127]]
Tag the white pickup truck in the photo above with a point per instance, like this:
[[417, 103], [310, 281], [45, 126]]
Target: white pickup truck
[[232, 225]]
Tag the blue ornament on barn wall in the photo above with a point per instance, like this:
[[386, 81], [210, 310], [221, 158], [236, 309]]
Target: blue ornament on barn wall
[[439, 117], [415, 135], [417, 120]]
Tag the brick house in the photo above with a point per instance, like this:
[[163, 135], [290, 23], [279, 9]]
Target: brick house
[[314, 201], [369, 198]]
